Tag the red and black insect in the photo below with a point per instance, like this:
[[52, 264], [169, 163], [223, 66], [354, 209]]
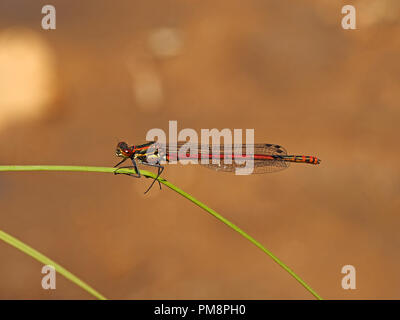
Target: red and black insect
[[265, 157]]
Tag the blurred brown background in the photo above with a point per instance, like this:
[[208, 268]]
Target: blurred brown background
[[114, 70]]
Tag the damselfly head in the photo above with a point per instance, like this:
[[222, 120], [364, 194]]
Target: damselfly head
[[122, 150]]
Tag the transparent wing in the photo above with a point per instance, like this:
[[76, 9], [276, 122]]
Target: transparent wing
[[261, 148], [228, 158], [264, 166]]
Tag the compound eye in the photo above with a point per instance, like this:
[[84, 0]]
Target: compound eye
[[122, 145]]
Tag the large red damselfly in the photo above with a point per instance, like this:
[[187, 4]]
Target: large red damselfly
[[264, 157]]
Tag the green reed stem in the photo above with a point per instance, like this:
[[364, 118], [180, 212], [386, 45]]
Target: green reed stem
[[43, 259]]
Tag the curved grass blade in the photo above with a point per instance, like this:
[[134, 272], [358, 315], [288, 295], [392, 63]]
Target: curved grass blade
[[43, 259]]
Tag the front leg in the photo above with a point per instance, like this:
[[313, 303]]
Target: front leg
[[137, 175]]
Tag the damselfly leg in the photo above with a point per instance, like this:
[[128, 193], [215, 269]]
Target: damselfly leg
[[137, 175], [160, 170]]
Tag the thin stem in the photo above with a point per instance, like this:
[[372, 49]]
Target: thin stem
[[181, 192], [43, 259]]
